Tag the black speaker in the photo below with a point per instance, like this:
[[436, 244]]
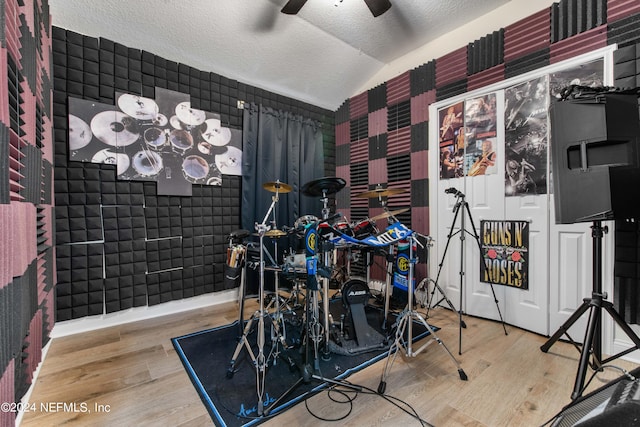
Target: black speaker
[[595, 157], [614, 404]]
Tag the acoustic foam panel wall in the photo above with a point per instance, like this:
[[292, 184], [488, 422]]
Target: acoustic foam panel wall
[[572, 17], [165, 286], [4, 165], [204, 218], [485, 52], [627, 270], [163, 221], [125, 258], [163, 254], [79, 291]]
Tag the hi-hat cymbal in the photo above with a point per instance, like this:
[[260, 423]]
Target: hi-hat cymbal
[[380, 192], [323, 186], [389, 214], [273, 234], [277, 187]]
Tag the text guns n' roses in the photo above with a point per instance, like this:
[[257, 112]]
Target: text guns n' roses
[[505, 252]]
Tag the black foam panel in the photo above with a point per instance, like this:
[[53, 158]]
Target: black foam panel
[[141, 231], [399, 115], [359, 128], [451, 89], [4, 165], [486, 52], [527, 63]]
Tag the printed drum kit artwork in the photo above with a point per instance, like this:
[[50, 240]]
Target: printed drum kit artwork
[[322, 336], [150, 140]]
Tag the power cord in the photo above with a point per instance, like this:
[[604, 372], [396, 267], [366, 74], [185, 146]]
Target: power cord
[[400, 404]]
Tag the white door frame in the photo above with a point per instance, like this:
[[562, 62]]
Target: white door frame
[[441, 206]]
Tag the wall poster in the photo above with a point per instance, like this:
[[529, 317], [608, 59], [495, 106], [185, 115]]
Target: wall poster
[[505, 253], [161, 139], [526, 140], [451, 141], [480, 135]]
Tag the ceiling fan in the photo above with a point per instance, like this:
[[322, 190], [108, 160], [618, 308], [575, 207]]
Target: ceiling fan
[[377, 7]]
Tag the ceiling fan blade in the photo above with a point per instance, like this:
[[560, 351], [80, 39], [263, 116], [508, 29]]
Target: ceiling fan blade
[[378, 7], [293, 6]]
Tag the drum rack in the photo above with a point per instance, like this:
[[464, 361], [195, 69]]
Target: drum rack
[[321, 239]]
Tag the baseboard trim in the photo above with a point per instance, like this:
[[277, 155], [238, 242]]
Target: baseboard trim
[[92, 323]]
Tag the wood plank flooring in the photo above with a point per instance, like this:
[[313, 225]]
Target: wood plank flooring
[[131, 375]]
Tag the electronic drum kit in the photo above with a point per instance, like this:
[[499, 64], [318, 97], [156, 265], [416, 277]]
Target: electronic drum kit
[[322, 237]]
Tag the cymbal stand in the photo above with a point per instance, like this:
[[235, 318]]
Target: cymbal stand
[[423, 286], [404, 329], [390, 260], [277, 303], [389, 286], [313, 329], [325, 280], [237, 237], [461, 205], [259, 360]]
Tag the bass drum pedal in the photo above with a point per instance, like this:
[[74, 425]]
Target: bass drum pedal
[[362, 337]]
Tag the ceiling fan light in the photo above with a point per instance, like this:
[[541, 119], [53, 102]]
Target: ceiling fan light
[[378, 7]]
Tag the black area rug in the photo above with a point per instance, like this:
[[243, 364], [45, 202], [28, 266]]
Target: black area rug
[[232, 401]]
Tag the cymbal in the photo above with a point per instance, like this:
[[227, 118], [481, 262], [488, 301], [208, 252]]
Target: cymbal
[[109, 157], [322, 186], [277, 187], [389, 214], [380, 192], [189, 116], [80, 133], [273, 233], [215, 134], [138, 107], [115, 128], [230, 163]]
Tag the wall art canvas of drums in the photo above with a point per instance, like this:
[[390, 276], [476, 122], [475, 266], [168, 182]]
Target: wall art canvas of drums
[[162, 139]]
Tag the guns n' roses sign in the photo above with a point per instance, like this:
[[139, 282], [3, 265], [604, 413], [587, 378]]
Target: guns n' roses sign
[[505, 253]]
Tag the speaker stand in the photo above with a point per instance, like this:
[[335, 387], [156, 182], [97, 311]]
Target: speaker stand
[[592, 344]]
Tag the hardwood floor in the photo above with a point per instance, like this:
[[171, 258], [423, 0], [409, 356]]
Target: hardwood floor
[[131, 375]]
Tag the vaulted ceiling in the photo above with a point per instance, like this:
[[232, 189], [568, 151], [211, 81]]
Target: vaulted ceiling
[[323, 55]]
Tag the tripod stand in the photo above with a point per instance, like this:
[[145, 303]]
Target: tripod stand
[[259, 359], [592, 345], [461, 206], [404, 324]]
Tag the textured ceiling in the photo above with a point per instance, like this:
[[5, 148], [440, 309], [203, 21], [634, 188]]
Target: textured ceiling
[[323, 55]]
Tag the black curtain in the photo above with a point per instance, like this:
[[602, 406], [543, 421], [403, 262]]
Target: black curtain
[[279, 146]]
